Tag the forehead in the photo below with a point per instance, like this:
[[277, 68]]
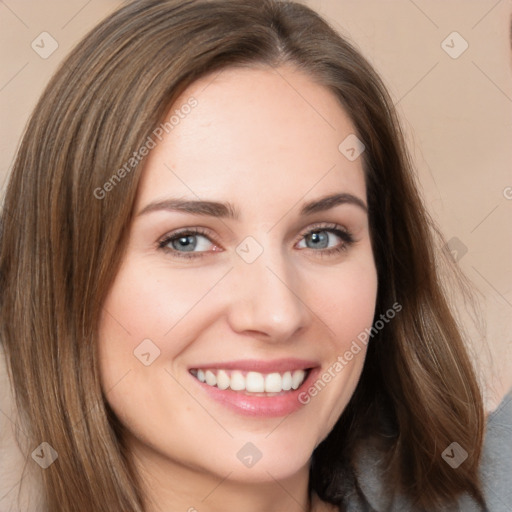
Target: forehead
[[254, 133]]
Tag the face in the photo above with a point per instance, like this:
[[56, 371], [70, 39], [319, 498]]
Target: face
[[221, 333]]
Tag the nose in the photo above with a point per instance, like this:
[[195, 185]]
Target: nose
[[266, 300]]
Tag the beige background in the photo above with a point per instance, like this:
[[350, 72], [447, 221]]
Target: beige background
[[457, 114]]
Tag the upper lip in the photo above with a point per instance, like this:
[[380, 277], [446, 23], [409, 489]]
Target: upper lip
[[261, 366]]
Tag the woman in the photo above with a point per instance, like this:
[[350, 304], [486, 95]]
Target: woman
[[221, 282]]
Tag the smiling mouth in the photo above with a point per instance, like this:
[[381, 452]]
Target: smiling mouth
[[264, 384]]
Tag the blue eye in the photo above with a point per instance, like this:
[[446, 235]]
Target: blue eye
[[186, 241], [319, 239]]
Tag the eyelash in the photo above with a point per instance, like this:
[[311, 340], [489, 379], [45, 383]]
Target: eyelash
[[339, 231]]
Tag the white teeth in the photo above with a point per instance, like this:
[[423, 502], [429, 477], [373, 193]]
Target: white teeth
[[287, 381], [298, 378], [237, 381], [273, 383], [252, 382], [255, 382], [211, 380], [222, 380]]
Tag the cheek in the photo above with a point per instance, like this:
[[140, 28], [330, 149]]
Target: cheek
[[346, 299], [135, 316], [145, 303]]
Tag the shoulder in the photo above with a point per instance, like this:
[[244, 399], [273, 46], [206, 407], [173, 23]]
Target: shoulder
[[495, 471], [496, 466]]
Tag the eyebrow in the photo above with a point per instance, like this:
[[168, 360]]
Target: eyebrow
[[228, 210]]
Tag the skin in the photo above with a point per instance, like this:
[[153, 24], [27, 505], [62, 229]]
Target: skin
[[267, 141]]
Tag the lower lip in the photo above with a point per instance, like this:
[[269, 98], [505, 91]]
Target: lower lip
[[257, 405]]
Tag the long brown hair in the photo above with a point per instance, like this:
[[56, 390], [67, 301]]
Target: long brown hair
[[61, 246]]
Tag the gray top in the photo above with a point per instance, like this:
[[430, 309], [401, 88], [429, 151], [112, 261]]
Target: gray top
[[496, 472]]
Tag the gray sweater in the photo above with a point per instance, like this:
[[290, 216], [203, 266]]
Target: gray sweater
[[496, 472]]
